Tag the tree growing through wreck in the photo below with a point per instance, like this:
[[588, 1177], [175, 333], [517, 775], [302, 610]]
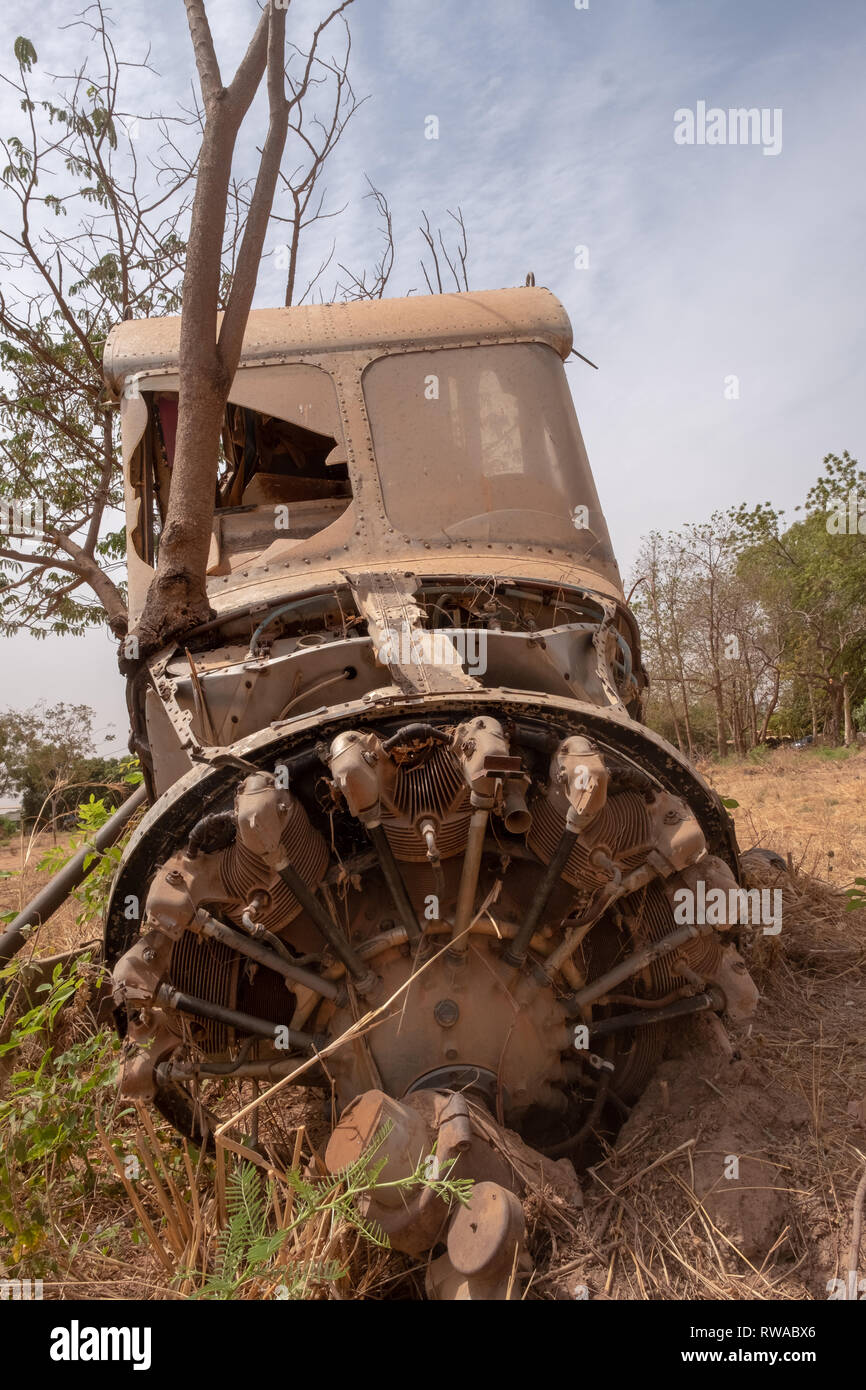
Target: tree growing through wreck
[[95, 198], [209, 348]]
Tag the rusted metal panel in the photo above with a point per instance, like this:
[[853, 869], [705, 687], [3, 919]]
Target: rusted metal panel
[[450, 810], [389, 325]]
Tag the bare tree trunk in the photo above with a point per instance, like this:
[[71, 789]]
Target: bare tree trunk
[[834, 721], [751, 706], [687, 718], [719, 701], [684, 689], [177, 598], [814, 711], [663, 658], [736, 722], [293, 254], [774, 700], [846, 708]]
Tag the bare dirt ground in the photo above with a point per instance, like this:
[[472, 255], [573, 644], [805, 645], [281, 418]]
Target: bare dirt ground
[[811, 805], [667, 1214], [734, 1175], [20, 857]]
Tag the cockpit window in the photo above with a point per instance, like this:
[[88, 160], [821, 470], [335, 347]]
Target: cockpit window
[[482, 443], [268, 459], [285, 475], [282, 474]]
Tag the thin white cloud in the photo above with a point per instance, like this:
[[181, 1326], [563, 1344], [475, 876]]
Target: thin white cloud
[[556, 128]]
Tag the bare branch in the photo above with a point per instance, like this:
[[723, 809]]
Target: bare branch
[[357, 286], [455, 262]]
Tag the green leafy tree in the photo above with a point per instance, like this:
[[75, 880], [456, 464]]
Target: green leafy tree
[[93, 201], [757, 622], [96, 214], [47, 757], [811, 575], [108, 213]]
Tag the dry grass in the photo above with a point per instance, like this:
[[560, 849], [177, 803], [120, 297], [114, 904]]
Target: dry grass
[[791, 1104], [189, 1206], [801, 803], [20, 857]]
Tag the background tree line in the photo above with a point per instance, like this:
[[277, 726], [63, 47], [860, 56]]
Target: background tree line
[[49, 765], [754, 626]]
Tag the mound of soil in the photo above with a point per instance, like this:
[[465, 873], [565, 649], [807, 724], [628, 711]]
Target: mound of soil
[[734, 1175]]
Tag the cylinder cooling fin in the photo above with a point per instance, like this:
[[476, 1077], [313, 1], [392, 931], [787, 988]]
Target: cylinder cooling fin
[[288, 904]]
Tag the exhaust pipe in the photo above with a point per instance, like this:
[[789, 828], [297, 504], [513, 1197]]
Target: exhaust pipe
[[482, 749], [515, 814], [55, 893]]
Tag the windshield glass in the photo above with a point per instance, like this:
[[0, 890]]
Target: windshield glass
[[483, 444]]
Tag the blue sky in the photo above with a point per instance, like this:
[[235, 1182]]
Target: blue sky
[[556, 130]]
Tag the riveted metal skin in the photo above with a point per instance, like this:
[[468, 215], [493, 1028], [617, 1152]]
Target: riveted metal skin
[[344, 341], [402, 769]]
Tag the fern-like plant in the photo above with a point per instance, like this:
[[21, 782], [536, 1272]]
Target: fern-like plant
[[247, 1249]]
